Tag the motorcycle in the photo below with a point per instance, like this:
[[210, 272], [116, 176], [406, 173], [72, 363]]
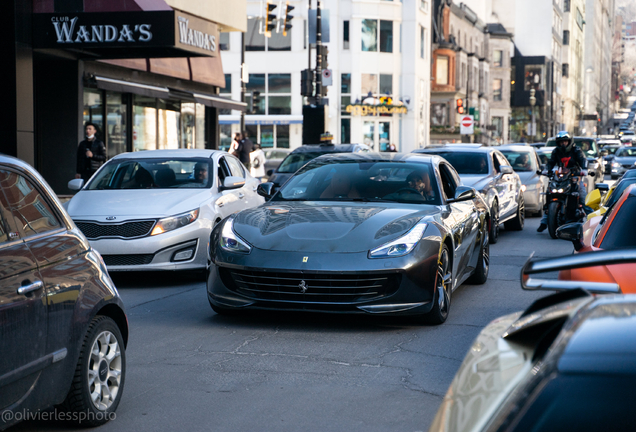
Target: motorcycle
[[564, 205]]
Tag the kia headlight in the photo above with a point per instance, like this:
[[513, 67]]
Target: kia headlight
[[401, 246], [523, 188], [230, 241], [174, 222]]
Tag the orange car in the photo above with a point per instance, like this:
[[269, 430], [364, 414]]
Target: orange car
[[615, 230]]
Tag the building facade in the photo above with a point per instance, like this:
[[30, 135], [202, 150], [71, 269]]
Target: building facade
[[379, 54], [147, 73], [572, 64]]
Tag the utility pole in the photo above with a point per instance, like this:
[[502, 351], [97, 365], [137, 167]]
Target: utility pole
[[243, 82], [308, 44], [318, 53]]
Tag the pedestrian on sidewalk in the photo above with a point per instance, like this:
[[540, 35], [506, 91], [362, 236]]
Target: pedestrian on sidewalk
[[245, 149], [91, 153], [257, 162]]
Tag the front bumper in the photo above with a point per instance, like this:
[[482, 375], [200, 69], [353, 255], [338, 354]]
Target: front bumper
[[154, 253], [325, 282]]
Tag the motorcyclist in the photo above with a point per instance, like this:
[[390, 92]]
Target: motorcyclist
[[565, 155]]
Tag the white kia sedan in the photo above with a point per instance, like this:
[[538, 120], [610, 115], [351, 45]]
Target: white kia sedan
[[154, 210]]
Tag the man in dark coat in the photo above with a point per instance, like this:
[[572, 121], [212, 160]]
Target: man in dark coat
[[244, 151], [91, 154]]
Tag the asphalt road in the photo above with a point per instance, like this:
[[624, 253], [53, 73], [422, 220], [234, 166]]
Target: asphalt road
[[191, 369]]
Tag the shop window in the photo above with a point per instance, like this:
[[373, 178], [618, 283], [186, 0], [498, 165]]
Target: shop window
[[224, 41], [116, 129], [345, 35], [496, 90], [169, 122], [144, 123], [252, 132], [282, 136], [93, 108], [225, 132], [369, 35], [386, 84], [188, 124], [345, 130], [267, 136], [386, 36], [441, 70], [497, 122], [199, 132]]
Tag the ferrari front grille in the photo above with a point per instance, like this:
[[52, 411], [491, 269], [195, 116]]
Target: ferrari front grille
[[299, 287]]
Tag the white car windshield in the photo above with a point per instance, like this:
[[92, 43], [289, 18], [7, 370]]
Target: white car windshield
[[154, 174]]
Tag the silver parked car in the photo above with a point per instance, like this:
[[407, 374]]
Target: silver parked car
[[525, 161], [155, 210], [624, 159], [488, 171]]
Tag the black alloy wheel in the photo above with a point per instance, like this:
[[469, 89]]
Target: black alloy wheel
[[494, 223], [480, 276], [443, 288], [517, 223]]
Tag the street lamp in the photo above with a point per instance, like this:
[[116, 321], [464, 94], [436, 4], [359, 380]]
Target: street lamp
[[533, 101]]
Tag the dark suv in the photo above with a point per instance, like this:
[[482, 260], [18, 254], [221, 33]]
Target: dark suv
[[63, 329], [304, 154]]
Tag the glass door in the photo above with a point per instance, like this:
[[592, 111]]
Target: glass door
[[368, 134], [384, 135]]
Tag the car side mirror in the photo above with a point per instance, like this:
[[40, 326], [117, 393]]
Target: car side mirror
[[604, 187], [266, 190], [232, 182], [463, 193], [76, 184], [572, 232], [506, 169], [593, 199], [270, 172]]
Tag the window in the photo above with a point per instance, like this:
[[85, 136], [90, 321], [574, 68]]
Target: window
[[369, 35], [117, 123], [422, 42], [257, 83], [579, 19], [31, 210], [275, 93], [369, 84], [93, 103], [386, 36], [345, 92], [565, 70], [386, 84], [497, 122], [566, 5], [255, 41], [441, 70], [345, 35], [224, 41], [282, 136], [566, 37], [533, 77], [345, 130], [496, 90], [497, 57]]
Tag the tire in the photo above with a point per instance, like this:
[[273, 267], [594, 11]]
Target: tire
[[493, 235], [100, 373], [517, 223], [443, 288], [480, 276], [553, 218]]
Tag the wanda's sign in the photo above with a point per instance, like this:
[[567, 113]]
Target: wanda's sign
[[132, 30]]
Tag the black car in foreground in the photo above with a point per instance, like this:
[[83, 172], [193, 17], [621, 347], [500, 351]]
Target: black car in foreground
[[566, 363], [63, 329], [303, 154], [354, 233]]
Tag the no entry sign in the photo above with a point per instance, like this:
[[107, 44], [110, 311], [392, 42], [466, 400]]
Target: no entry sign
[[467, 125]]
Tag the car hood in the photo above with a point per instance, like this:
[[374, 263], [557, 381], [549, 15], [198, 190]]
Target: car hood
[[625, 160], [331, 227], [477, 181], [134, 204]]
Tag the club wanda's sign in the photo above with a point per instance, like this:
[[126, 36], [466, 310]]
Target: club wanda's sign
[[154, 29]]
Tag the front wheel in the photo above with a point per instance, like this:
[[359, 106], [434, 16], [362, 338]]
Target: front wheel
[[99, 377], [480, 276], [553, 218], [443, 288], [517, 223], [493, 235]]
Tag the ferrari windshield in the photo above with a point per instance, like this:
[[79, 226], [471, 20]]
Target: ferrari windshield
[[153, 174], [368, 181]]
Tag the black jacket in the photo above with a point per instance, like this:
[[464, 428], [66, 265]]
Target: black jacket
[[90, 165], [244, 150], [574, 160]]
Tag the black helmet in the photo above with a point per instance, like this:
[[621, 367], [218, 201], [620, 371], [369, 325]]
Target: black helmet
[[564, 140]]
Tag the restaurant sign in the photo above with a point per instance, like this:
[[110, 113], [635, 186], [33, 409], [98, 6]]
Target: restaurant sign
[[369, 110], [129, 30]]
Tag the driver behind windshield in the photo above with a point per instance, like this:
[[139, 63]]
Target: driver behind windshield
[[421, 182], [200, 173]]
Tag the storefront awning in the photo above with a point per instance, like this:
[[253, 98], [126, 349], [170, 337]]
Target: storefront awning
[[279, 119], [219, 102], [117, 35]]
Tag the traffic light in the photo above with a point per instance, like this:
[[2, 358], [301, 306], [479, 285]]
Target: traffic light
[[256, 100], [286, 24], [460, 106], [307, 82], [323, 51], [270, 19]]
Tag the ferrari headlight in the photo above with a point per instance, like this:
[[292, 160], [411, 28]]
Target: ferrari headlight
[[401, 246], [174, 222], [230, 241]]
